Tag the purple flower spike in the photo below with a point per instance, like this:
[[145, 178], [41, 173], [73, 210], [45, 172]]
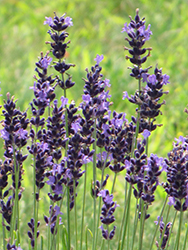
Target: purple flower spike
[[48, 21], [99, 58]]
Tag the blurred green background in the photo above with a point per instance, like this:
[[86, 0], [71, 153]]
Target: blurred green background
[[97, 29]]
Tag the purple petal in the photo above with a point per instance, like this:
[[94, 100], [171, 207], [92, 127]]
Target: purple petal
[[99, 58], [146, 133], [64, 101], [125, 95], [68, 21], [48, 21]]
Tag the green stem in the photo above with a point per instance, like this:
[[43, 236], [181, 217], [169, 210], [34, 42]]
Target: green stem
[[135, 224], [157, 226], [68, 202], [123, 219], [83, 207], [68, 220], [75, 215], [4, 234], [94, 181], [99, 208], [185, 239], [142, 220], [35, 204], [102, 245], [114, 181], [15, 212], [126, 218], [170, 230], [179, 231]]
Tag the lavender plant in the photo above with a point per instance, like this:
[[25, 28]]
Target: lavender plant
[[72, 144]]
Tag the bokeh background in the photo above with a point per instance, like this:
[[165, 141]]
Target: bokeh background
[[97, 29]]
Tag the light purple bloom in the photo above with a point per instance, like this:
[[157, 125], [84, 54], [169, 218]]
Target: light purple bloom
[[75, 126], [161, 221], [146, 133], [180, 139], [127, 164], [48, 21], [57, 209], [86, 159], [4, 134], [105, 195], [46, 62], [145, 33], [148, 33], [42, 96], [117, 122], [58, 189], [99, 58], [165, 79], [106, 83], [51, 180], [125, 95], [144, 77], [152, 79], [64, 101], [127, 28], [86, 98], [68, 21], [103, 156], [171, 201]]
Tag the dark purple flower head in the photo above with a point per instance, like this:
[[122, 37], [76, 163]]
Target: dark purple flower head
[[107, 211], [137, 36], [57, 23], [177, 175]]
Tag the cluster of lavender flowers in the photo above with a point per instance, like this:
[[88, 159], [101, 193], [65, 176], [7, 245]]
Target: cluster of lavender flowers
[[64, 139]]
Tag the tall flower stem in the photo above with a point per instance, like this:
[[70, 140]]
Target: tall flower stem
[[99, 207], [185, 239], [179, 231], [35, 205], [170, 231], [15, 214], [123, 219], [68, 201], [142, 220], [127, 208], [135, 224], [157, 226], [75, 215], [94, 181], [4, 234], [68, 220], [83, 207], [114, 181]]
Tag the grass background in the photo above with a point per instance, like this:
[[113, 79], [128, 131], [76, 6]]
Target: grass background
[[97, 30]]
